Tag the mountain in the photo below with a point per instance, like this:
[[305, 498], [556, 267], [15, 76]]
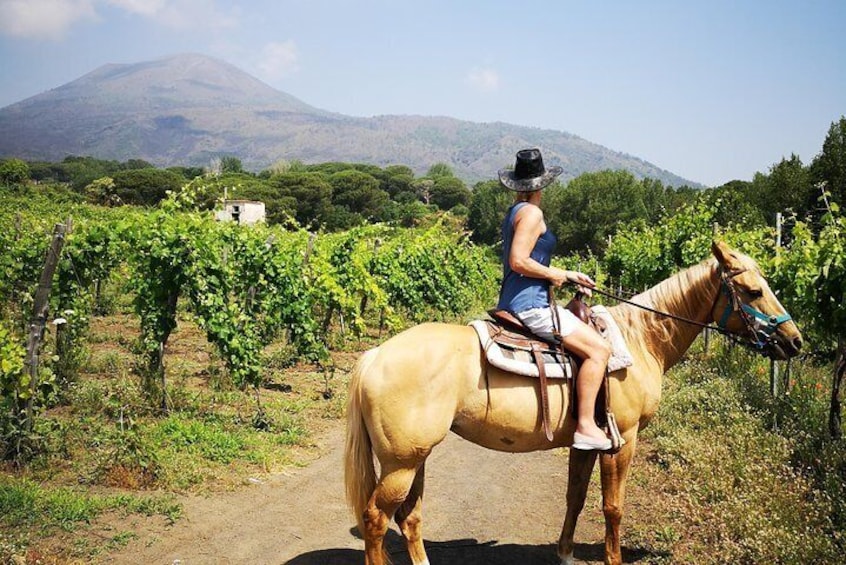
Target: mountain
[[188, 109]]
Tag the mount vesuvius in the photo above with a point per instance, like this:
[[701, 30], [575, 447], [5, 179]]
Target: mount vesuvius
[[187, 109]]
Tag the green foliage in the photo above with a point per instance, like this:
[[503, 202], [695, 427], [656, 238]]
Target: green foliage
[[80, 171], [828, 169], [812, 276], [25, 504], [145, 186], [398, 180], [736, 202], [440, 170], [231, 164], [739, 491], [102, 191], [641, 255], [434, 270], [448, 192], [787, 188], [13, 171], [14, 389], [309, 197], [488, 205], [359, 195], [586, 211]]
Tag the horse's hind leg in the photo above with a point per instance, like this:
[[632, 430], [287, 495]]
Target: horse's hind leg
[[578, 479], [409, 517], [390, 493]]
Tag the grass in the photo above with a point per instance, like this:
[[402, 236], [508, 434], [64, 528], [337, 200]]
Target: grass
[[24, 503], [31, 513], [106, 435], [731, 486]]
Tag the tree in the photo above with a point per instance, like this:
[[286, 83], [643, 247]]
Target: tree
[[13, 172], [358, 192], [329, 168], [231, 164], [283, 166], [440, 170], [828, 169], [310, 193], [448, 192], [188, 173], [145, 187], [137, 164], [735, 203], [81, 171], [591, 206], [785, 189], [102, 191], [399, 179], [488, 206]]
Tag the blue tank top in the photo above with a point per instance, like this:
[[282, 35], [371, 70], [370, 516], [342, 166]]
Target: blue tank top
[[520, 293]]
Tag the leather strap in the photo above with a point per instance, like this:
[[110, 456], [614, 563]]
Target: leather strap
[[544, 395]]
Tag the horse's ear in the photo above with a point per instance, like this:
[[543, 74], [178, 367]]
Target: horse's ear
[[725, 256]]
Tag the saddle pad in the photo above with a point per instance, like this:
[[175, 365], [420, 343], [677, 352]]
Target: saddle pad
[[517, 362], [620, 355]]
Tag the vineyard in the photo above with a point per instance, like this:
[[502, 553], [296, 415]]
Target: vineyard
[[107, 396]]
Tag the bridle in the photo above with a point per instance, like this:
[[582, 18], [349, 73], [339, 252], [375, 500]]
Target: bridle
[[760, 327]]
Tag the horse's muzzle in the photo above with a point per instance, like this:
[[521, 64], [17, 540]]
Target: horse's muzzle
[[783, 349]]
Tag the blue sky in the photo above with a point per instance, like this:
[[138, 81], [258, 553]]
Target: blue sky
[[712, 91]]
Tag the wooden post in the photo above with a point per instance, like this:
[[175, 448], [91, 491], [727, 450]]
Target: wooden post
[[834, 422], [706, 334], [39, 317], [309, 247]]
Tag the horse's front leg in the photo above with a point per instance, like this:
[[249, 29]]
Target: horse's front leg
[[614, 471], [578, 479]]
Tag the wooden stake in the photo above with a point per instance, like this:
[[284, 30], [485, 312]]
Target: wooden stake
[[39, 317]]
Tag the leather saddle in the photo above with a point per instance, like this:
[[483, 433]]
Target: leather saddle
[[510, 333]]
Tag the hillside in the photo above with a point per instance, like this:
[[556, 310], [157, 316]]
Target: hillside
[[188, 109]]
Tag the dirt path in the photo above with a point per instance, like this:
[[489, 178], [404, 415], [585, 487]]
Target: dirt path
[[482, 507]]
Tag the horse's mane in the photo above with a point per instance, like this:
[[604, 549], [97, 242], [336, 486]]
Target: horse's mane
[[684, 294]]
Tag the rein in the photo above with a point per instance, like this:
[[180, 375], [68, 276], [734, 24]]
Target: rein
[[760, 326]]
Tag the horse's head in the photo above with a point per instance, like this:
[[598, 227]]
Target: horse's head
[[747, 307]]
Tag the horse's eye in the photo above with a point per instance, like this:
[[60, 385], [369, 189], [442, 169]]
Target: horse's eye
[[755, 292]]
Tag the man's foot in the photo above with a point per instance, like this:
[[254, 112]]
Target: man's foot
[[589, 443]]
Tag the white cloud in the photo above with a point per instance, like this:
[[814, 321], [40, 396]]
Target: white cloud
[[51, 19], [42, 19], [278, 60], [486, 80], [180, 14], [141, 7]]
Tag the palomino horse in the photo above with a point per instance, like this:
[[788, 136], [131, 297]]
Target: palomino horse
[[409, 392]]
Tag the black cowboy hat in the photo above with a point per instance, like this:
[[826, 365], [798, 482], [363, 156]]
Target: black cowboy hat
[[528, 174]]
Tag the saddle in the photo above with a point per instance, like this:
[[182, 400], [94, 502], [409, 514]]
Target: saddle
[[518, 342]]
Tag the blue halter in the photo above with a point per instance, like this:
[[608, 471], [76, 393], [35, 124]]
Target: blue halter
[[761, 326]]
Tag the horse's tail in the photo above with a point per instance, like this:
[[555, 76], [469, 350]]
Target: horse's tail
[[359, 471]]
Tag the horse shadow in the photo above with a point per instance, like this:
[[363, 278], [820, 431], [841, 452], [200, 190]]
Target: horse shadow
[[470, 552]]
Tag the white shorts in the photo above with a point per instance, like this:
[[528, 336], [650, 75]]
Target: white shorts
[[539, 320]]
